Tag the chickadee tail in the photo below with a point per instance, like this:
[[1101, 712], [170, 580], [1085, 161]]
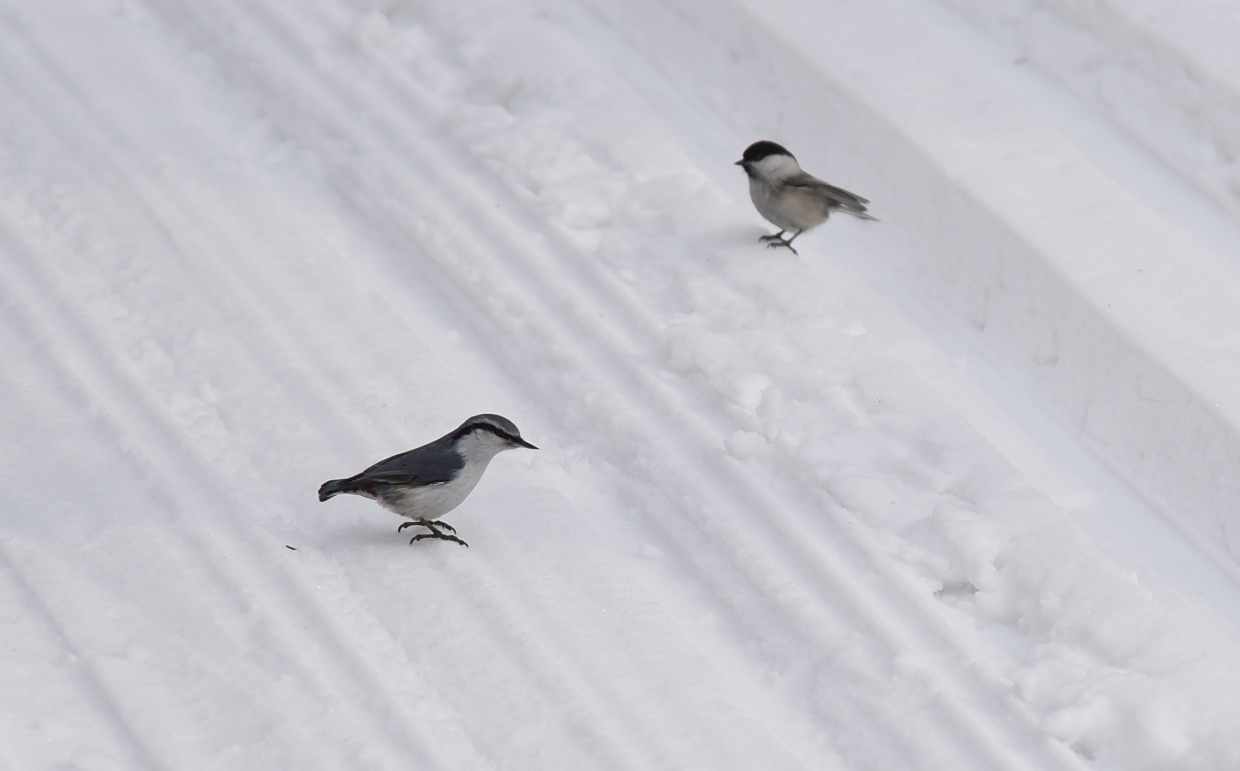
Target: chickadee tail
[[335, 487], [860, 215]]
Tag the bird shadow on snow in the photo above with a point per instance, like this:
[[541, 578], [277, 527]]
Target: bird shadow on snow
[[744, 240], [728, 238], [364, 535], [730, 244]]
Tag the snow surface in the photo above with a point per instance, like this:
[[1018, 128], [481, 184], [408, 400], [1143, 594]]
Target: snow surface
[[955, 489]]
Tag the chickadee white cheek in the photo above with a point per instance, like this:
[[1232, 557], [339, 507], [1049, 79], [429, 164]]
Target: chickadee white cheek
[[777, 167]]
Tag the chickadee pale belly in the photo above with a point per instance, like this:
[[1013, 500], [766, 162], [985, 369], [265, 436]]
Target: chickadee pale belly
[[788, 208]]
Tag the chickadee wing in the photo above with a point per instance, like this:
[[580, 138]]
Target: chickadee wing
[[849, 202]]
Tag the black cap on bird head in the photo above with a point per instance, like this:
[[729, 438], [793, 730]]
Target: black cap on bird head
[[759, 150]]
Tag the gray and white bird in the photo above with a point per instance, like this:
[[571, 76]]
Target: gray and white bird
[[425, 483], [789, 198]]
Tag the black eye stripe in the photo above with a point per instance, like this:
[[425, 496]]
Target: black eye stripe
[[501, 433]]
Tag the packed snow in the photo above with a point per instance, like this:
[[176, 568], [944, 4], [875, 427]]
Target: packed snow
[[955, 489]]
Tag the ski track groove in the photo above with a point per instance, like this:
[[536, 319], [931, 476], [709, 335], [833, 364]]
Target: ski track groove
[[564, 669], [834, 579], [225, 291], [185, 473], [792, 551], [85, 677], [551, 660], [863, 607], [637, 766], [195, 485], [221, 487]]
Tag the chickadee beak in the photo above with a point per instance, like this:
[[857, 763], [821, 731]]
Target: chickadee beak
[[740, 163], [524, 443]]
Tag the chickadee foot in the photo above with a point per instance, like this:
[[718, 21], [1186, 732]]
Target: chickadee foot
[[777, 237], [775, 243]]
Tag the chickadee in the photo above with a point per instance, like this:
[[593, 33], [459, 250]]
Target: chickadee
[[428, 482], [789, 198]]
